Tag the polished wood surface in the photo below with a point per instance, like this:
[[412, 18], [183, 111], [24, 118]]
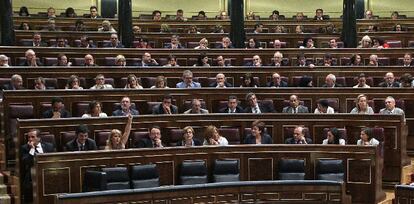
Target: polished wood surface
[[362, 166]]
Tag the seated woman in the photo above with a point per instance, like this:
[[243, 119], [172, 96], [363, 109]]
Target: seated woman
[[362, 106], [202, 61], [95, 110], [117, 140], [258, 135], [73, 83], [367, 138], [323, 107], [333, 137], [248, 81], [133, 82], [253, 43], [160, 83], [120, 61], [212, 137], [188, 138]]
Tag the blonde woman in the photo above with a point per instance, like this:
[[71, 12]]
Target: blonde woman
[[362, 106], [117, 140], [212, 137], [188, 138]]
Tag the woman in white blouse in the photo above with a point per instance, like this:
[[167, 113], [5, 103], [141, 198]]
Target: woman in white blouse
[[213, 137], [333, 137], [367, 138], [95, 110], [362, 106]]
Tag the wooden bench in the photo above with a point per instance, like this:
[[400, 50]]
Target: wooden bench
[[238, 56], [361, 165], [312, 191], [404, 194], [279, 126]]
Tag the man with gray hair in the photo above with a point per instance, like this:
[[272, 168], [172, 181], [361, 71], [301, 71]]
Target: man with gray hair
[[31, 59], [277, 59], [196, 108], [220, 82], [188, 81], [4, 61], [16, 83], [390, 108], [330, 81]]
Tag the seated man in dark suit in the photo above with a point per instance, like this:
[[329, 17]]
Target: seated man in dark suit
[[255, 107], [298, 137], [16, 83], [114, 42], [277, 59], [330, 82], [294, 106], [31, 59], [57, 110], [148, 61], [126, 108], [93, 12], [225, 43], [276, 81], [232, 106], [81, 142], [27, 152], [389, 81], [37, 40], [221, 82], [154, 140], [175, 43], [165, 107]]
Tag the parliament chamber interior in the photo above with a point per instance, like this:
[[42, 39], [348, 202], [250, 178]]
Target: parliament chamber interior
[[225, 101]]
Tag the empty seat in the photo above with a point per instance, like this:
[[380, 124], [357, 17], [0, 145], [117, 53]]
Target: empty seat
[[101, 137], [175, 135], [49, 61], [291, 169], [94, 181], [330, 170], [65, 138], [145, 176], [226, 171], [116, 178], [21, 111], [394, 43], [231, 134], [193, 172], [110, 61]]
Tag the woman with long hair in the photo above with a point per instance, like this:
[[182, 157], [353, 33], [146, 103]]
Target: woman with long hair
[[117, 140]]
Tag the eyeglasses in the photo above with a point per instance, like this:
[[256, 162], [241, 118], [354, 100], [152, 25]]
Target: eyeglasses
[[100, 78]]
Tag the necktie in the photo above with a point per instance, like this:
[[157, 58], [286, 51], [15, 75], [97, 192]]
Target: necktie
[[36, 151], [82, 147], [255, 110]]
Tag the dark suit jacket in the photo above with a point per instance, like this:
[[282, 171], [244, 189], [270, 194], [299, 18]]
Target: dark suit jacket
[[158, 109], [220, 46], [292, 140], [250, 139], [263, 109], [383, 84], [8, 86], [120, 113], [149, 65], [272, 84], [336, 85], [301, 109], [63, 114], [144, 143], [25, 63], [109, 45], [169, 46], [73, 145], [227, 84], [226, 110], [196, 142], [27, 161]]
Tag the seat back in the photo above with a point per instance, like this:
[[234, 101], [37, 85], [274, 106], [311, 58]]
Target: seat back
[[94, 181], [145, 176], [330, 169], [291, 169], [231, 134], [117, 178], [193, 172], [226, 171]]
